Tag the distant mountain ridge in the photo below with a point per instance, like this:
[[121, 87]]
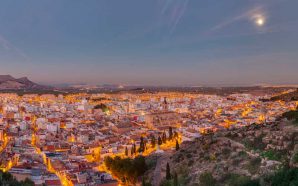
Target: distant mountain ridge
[[7, 82]]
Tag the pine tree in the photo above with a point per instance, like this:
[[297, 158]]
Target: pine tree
[[168, 172], [177, 145], [159, 140]]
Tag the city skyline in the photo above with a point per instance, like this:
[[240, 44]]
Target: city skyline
[[173, 42]]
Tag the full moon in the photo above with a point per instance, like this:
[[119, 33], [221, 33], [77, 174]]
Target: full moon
[[260, 21]]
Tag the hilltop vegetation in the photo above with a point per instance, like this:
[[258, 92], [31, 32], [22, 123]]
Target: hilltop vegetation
[[127, 170]]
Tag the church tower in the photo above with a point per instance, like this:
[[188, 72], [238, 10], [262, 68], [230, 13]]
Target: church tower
[[165, 104]]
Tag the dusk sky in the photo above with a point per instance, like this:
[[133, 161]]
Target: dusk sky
[[150, 42]]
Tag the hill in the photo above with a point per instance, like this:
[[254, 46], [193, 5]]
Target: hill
[[290, 96], [8, 82], [253, 155]]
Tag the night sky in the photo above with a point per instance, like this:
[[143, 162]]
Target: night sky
[[150, 42]]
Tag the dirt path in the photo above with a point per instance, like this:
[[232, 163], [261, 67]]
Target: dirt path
[[157, 175]]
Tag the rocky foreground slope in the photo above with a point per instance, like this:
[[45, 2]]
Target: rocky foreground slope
[[246, 156]]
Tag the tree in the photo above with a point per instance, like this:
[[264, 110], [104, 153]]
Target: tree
[[27, 182], [175, 179], [159, 140], [170, 133], [126, 151], [131, 150], [7, 179], [153, 141], [177, 145], [166, 183], [285, 177], [168, 172], [143, 181], [102, 106], [128, 170], [164, 137], [142, 145], [134, 148]]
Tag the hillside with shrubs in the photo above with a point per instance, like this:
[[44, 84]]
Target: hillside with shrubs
[[255, 155]]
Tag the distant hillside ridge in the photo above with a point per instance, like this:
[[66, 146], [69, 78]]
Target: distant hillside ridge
[[7, 82], [291, 96]]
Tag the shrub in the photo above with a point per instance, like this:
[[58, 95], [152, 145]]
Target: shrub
[[236, 161], [190, 163], [212, 157], [226, 151], [238, 180], [166, 183], [206, 179], [254, 165], [291, 115], [271, 155], [295, 158], [242, 154], [189, 156], [284, 177], [206, 146]]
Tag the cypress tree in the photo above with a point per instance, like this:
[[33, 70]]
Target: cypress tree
[[177, 145], [143, 181], [175, 179], [134, 148], [131, 150], [126, 151], [141, 149], [159, 140], [168, 172], [153, 141], [164, 137], [170, 133]]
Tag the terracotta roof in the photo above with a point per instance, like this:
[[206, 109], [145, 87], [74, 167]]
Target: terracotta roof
[[52, 182]]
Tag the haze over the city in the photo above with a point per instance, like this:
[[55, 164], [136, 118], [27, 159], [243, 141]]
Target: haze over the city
[[156, 42]]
